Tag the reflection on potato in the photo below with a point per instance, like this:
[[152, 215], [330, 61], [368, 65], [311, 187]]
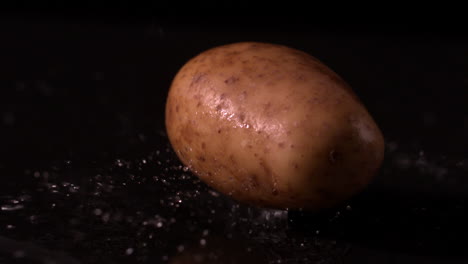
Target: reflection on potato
[[272, 126]]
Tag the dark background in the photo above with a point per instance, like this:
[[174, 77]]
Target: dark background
[[82, 104]]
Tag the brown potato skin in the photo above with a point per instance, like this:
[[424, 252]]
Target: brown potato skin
[[272, 126]]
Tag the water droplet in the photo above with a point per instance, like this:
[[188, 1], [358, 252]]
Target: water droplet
[[185, 168], [180, 248], [105, 218], [205, 232], [129, 251], [203, 242], [73, 188], [348, 207], [159, 224], [12, 207], [10, 226], [97, 211], [214, 194]]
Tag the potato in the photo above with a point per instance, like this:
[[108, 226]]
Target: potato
[[272, 126]]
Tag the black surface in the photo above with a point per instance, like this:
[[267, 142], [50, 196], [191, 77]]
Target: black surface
[[88, 174]]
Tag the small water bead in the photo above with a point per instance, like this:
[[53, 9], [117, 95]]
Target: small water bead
[[11, 207], [180, 248], [73, 188], [202, 242], [105, 218], [52, 188], [97, 211], [214, 194], [129, 251], [119, 163]]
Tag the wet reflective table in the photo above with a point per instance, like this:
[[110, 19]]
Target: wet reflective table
[[88, 175]]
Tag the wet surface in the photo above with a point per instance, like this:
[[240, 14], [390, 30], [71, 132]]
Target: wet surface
[[88, 175]]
